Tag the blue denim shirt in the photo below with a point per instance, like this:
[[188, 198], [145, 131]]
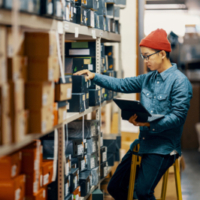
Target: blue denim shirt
[[166, 93]]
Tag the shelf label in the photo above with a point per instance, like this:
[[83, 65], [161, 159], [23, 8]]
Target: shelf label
[[76, 32], [93, 34], [60, 27]]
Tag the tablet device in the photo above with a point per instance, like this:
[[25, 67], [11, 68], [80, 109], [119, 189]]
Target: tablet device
[[130, 107]]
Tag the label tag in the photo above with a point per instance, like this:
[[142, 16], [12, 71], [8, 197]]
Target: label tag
[[76, 32]]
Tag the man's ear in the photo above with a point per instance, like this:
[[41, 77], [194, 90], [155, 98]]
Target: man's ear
[[163, 54]]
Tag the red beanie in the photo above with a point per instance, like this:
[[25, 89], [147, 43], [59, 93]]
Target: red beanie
[[157, 40]]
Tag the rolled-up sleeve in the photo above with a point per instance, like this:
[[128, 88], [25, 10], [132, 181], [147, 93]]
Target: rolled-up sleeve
[[180, 102], [127, 85]]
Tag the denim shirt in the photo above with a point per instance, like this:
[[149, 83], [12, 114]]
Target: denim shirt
[[167, 93]]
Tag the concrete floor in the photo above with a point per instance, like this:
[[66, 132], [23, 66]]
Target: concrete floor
[[190, 177]]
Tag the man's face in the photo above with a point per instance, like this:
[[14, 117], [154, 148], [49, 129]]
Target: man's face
[[153, 62]]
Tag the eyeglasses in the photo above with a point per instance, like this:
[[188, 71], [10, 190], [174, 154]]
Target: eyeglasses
[[147, 57]]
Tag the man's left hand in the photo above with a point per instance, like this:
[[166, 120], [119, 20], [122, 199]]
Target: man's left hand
[[134, 117]]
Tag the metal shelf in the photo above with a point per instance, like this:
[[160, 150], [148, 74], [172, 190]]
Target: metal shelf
[[86, 33], [28, 20], [73, 116], [42, 23], [94, 187], [8, 149]]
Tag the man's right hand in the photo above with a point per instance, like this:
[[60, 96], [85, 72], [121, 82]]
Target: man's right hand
[[89, 74]]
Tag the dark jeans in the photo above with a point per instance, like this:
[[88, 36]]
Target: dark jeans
[[151, 170]]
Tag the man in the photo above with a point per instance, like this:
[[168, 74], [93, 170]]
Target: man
[[164, 90]]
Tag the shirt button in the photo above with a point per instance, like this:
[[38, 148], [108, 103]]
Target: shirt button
[[158, 82], [143, 138], [151, 111], [153, 129]]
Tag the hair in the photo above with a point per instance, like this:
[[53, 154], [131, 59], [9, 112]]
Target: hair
[[167, 54]]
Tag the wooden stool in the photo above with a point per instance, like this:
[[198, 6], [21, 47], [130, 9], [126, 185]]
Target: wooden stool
[[136, 160]]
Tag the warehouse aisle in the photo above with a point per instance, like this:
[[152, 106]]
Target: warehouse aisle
[[190, 176]]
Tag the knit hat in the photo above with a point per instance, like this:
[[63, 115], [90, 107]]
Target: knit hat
[[157, 40]]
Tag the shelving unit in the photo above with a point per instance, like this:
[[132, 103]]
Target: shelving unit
[[67, 31]]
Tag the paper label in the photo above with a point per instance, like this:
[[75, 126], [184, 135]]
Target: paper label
[[76, 33], [101, 141], [35, 187], [40, 180], [90, 66], [68, 106], [83, 97], [64, 115], [17, 194], [50, 75], [87, 95], [50, 8], [82, 165], [67, 169], [75, 182], [13, 170], [44, 99], [66, 189], [44, 126], [93, 31], [74, 10], [93, 146], [105, 171], [45, 179], [59, 9], [44, 194], [92, 163], [104, 156], [77, 52], [36, 165], [93, 131], [80, 149], [30, 6], [69, 92], [67, 16]]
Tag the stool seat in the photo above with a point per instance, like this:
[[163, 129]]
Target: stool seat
[[136, 160]]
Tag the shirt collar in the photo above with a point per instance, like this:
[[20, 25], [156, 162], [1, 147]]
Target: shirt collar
[[167, 72]]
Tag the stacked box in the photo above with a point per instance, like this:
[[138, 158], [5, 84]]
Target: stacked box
[[42, 72], [85, 182], [16, 75]]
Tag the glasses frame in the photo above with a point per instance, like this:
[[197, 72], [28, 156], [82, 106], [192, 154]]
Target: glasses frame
[[147, 57]]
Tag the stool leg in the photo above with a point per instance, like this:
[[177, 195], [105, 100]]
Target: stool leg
[[164, 185], [132, 177], [177, 180]]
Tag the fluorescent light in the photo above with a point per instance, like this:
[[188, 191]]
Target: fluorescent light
[[165, 6]]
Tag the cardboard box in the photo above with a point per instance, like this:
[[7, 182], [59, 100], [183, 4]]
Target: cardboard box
[[43, 68], [62, 114], [31, 160], [13, 189], [16, 94], [5, 129], [12, 41], [47, 172], [17, 68], [39, 94], [19, 125], [2, 41], [40, 195], [41, 120], [5, 98], [63, 91], [40, 44], [10, 166], [32, 184], [3, 70]]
